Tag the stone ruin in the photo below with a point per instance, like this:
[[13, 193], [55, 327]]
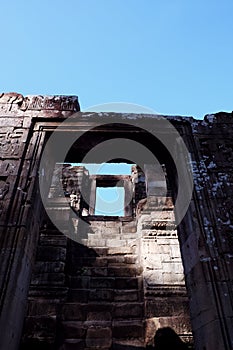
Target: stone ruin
[[71, 279]]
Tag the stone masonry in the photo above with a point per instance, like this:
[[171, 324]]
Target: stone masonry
[[111, 283]]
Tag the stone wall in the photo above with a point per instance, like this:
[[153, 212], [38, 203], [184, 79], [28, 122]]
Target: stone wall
[[116, 287], [112, 289], [20, 204]]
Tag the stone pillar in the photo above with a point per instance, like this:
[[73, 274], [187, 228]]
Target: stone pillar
[[20, 206]]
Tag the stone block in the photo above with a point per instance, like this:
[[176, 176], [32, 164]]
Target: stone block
[[54, 279], [86, 262], [51, 253], [166, 306], [163, 249], [153, 277], [101, 251], [130, 343], [99, 316], [132, 223], [42, 327], [113, 224], [153, 261], [125, 271], [101, 295], [41, 308], [131, 259], [110, 231], [100, 307], [172, 267], [74, 311], [127, 283], [51, 266], [99, 337], [79, 282], [120, 250], [173, 278], [126, 295], [115, 259], [74, 329], [73, 344], [115, 242], [55, 240], [180, 324], [128, 310], [96, 242], [103, 283], [107, 235], [127, 329], [78, 295], [128, 236], [128, 229], [98, 271]]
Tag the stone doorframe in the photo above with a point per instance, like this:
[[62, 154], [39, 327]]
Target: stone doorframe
[[210, 312]]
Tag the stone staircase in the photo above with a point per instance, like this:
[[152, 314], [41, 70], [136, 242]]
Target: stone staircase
[[87, 295], [104, 307]]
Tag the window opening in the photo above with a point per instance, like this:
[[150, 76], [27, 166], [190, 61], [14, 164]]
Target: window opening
[[108, 189], [110, 201]]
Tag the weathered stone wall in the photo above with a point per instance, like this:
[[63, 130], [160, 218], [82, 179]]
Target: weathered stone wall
[[206, 232], [20, 204], [123, 282], [144, 271]]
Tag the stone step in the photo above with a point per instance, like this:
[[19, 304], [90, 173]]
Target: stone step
[[99, 337], [127, 344], [108, 251], [99, 311], [73, 344], [116, 344], [53, 240], [100, 242], [102, 289], [105, 335], [53, 292], [103, 261], [135, 329], [109, 282], [104, 295], [51, 253], [103, 329], [48, 278], [85, 274]]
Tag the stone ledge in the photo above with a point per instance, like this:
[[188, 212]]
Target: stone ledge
[[38, 102]]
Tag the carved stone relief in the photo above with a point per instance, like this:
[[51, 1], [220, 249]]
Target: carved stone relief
[[11, 142], [4, 189]]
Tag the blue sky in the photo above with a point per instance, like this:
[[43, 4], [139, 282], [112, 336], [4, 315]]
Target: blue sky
[[108, 168], [109, 201], [172, 56]]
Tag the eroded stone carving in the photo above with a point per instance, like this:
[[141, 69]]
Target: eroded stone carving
[[11, 97], [8, 167], [4, 188], [74, 200], [13, 101], [10, 142], [61, 103]]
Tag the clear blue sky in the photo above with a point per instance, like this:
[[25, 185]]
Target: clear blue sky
[[172, 56]]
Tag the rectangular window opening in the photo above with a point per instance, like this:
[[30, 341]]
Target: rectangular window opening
[[110, 201]]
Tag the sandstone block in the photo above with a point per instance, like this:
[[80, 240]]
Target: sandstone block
[[126, 310], [99, 337], [51, 253], [74, 329]]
